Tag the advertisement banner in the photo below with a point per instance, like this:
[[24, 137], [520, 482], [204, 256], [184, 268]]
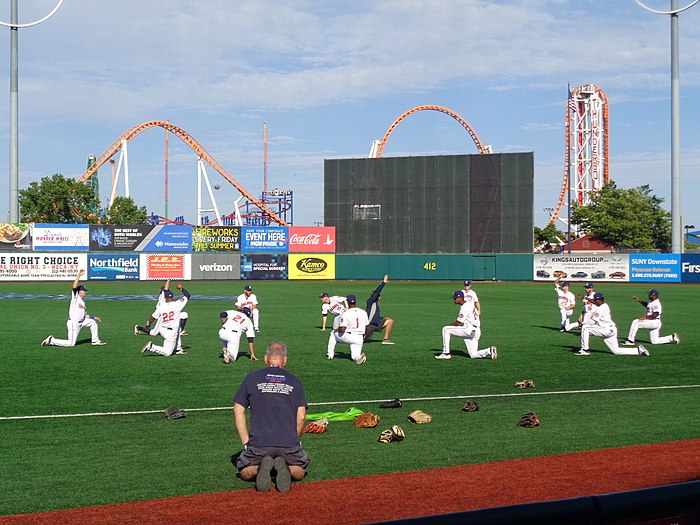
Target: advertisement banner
[[308, 266], [264, 266], [15, 236], [140, 238], [312, 239], [655, 267], [581, 267], [690, 268], [216, 266], [165, 266], [265, 239], [216, 238], [113, 267], [41, 267], [61, 237], [168, 238]]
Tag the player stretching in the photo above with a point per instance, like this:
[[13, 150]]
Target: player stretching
[[565, 301], [334, 304], [234, 324], [651, 321], [248, 300], [467, 326], [78, 318], [168, 314], [351, 331]]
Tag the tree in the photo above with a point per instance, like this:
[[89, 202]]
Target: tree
[[59, 200], [630, 218], [547, 238], [124, 211]]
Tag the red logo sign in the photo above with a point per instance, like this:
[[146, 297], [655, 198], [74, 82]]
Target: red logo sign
[[312, 239]]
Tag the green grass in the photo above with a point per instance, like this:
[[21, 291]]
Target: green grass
[[70, 462]]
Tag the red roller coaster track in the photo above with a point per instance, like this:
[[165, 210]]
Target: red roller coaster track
[[194, 145]]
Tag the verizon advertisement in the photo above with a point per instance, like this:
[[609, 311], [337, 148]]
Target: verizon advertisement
[[312, 239], [216, 266]]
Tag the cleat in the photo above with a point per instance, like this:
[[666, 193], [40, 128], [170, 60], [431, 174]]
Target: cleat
[[643, 351], [98, 343], [48, 341], [227, 358], [387, 342], [329, 357], [284, 476], [263, 481], [146, 347], [257, 330], [443, 355], [136, 330], [627, 342], [583, 352], [494, 352], [181, 352], [184, 332], [361, 359], [676, 339]]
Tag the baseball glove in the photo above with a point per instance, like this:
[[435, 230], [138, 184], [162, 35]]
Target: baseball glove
[[367, 420], [316, 427], [174, 413], [525, 383], [471, 406], [529, 420], [420, 417], [387, 436], [398, 433], [394, 403]]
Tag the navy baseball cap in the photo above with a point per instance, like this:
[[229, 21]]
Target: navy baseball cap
[[168, 293], [457, 294], [324, 294], [352, 299], [248, 288], [565, 283], [223, 314], [247, 311], [598, 295], [588, 285], [81, 287], [653, 292], [467, 283]]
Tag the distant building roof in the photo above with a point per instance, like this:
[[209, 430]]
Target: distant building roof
[[589, 244]]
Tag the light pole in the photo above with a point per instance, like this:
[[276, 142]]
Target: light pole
[[14, 105], [688, 227], [675, 123]]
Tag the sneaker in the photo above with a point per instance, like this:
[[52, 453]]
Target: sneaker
[[284, 476], [387, 342], [146, 347], [257, 330], [443, 355], [643, 351], [627, 342], [136, 330], [181, 352], [227, 358], [184, 332], [263, 481], [329, 357], [361, 359], [494, 352], [583, 352], [676, 339], [48, 341], [98, 343]]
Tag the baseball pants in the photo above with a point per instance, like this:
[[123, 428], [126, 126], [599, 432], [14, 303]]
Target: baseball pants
[[354, 340], [232, 340], [654, 327], [565, 314], [171, 337], [73, 331], [609, 336], [471, 336]]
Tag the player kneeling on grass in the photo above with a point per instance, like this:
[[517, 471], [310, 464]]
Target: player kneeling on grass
[[467, 327], [278, 407], [598, 321], [78, 318], [168, 315], [651, 321], [235, 323], [351, 331]]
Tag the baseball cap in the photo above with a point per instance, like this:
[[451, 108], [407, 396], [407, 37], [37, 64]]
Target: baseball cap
[[248, 288], [565, 283], [168, 293], [81, 287], [467, 283], [223, 314], [598, 295], [246, 311], [588, 285], [457, 294], [352, 299], [653, 292], [324, 294]]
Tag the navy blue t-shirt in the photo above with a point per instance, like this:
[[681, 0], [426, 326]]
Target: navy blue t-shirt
[[273, 395]]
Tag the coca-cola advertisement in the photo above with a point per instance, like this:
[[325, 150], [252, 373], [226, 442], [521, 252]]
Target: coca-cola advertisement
[[312, 239]]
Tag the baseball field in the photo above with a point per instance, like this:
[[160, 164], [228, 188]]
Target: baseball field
[[84, 426]]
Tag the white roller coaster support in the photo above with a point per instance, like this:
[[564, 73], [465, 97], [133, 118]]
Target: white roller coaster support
[[202, 173], [123, 158], [237, 209]]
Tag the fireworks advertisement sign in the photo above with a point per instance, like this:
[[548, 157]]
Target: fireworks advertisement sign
[[216, 238]]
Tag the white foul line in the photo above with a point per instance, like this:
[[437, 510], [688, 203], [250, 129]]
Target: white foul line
[[357, 402]]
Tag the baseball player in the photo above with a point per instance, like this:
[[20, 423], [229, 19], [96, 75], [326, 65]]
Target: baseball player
[[248, 300], [335, 304], [587, 306], [146, 329], [234, 324], [78, 318], [651, 321], [168, 314], [598, 321], [565, 301], [377, 323], [468, 327], [351, 331], [470, 296]]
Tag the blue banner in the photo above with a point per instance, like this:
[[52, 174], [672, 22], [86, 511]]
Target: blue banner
[[655, 267], [116, 267], [690, 268], [267, 266], [272, 239], [170, 238]]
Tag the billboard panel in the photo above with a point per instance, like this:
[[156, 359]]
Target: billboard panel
[[581, 267], [690, 268], [264, 266], [216, 266], [113, 267], [61, 237], [140, 237], [15, 236], [312, 266], [655, 267], [41, 267], [265, 239], [216, 238], [170, 266], [305, 239]]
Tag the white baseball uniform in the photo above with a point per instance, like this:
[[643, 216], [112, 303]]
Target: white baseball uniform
[[653, 325], [588, 305], [566, 302], [336, 306], [599, 322], [471, 297], [77, 320], [168, 314], [469, 330], [251, 301], [230, 332], [355, 321], [155, 329]]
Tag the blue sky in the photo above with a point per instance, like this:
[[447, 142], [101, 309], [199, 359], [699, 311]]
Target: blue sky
[[329, 77]]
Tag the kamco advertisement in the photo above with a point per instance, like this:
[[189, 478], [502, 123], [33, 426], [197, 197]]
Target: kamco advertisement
[[269, 239], [308, 239], [581, 267], [41, 267], [113, 267], [170, 266], [216, 266], [264, 266], [216, 238], [312, 266], [61, 237], [15, 236]]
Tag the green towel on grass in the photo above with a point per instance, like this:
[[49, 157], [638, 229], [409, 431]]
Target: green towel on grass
[[349, 415]]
